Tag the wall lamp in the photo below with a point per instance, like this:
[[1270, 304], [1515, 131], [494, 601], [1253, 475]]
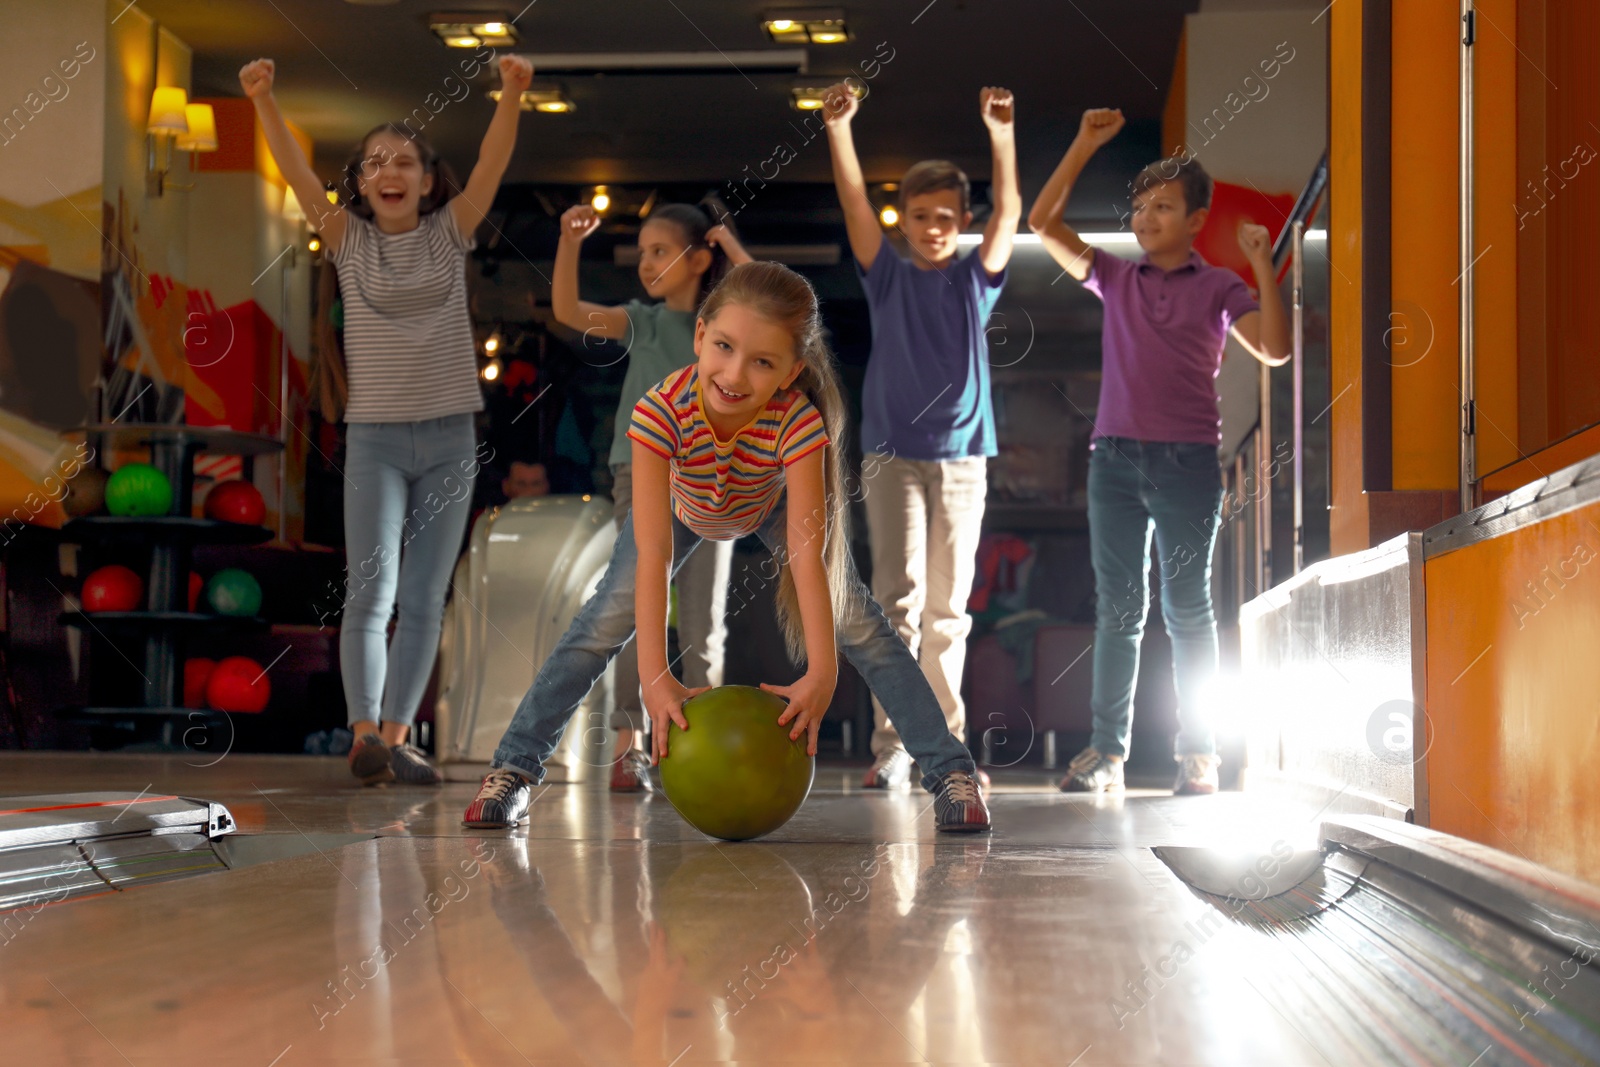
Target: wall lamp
[[176, 124]]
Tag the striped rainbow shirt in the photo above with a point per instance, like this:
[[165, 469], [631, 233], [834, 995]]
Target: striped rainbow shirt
[[724, 490]]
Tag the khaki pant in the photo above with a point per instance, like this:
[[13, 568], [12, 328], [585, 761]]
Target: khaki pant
[[925, 518], [702, 601]]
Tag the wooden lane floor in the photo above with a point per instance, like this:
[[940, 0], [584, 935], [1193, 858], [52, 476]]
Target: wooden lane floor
[[606, 931]]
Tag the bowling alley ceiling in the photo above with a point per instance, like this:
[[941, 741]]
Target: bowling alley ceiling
[[344, 67]]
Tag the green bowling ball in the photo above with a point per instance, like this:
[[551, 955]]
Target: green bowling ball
[[138, 489], [234, 592], [734, 773]]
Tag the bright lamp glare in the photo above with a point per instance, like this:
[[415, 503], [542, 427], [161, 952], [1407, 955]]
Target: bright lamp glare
[[600, 202], [888, 216]]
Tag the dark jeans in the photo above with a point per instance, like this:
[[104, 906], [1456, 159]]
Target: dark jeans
[[1174, 491]]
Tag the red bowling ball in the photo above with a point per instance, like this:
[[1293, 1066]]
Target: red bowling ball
[[196, 673], [236, 501], [197, 585], [113, 588], [238, 683]]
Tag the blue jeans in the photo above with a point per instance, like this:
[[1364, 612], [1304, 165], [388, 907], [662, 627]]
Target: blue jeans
[[408, 494], [1175, 491], [605, 623]]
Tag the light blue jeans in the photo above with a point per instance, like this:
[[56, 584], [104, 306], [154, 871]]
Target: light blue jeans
[[605, 623], [407, 497], [1174, 491]]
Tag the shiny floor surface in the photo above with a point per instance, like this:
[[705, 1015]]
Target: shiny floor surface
[[607, 931]]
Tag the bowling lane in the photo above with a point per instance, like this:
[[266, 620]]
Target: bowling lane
[[606, 932]]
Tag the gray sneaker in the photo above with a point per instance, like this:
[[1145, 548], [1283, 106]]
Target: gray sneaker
[[369, 760], [412, 767], [891, 770], [1093, 772], [1197, 775]]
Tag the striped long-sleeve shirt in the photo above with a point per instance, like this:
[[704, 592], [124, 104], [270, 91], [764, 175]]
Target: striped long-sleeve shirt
[[724, 489]]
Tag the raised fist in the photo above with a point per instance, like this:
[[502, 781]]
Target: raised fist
[[579, 221], [998, 107], [1254, 241], [839, 103], [1100, 124], [516, 74], [256, 78]]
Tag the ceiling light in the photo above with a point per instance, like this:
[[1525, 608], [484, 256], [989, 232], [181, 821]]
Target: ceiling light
[[889, 216], [813, 97], [601, 199], [315, 244], [471, 29], [492, 345], [765, 60], [806, 26], [550, 99], [332, 195], [491, 370]]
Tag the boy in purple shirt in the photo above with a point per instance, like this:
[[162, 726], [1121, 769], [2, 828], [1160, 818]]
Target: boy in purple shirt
[[1153, 465], [927, 422]]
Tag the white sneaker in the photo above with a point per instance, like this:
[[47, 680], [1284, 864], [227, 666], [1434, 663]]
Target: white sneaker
[[891, 770]]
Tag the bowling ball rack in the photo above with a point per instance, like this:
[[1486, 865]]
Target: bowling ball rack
[[163, 626]]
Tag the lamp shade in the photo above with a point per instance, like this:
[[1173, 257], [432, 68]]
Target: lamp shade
[[167, 106], [202, 135]]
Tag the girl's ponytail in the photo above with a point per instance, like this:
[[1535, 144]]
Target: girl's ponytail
[[330, 387], [778, 293]]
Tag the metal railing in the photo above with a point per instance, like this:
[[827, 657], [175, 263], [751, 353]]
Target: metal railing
[[1248, 534]]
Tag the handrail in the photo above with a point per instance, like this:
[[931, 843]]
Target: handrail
[[1305, 205]]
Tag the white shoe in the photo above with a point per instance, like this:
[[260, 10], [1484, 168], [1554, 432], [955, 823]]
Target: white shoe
[[891, 770], [1197, 775]]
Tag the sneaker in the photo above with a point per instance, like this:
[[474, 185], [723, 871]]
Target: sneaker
[[891, 770], [958, 805], [1092, 772], [412, 767], [370, 761], [1197, 775], [501, 802], [631, 773]]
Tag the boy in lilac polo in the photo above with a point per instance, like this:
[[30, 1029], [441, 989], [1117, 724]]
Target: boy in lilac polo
[[927, 421], [1153, 467]]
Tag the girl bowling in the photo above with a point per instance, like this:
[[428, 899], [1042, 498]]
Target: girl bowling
[[743, 441]]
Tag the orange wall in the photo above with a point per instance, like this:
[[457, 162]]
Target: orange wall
[[1348, 504], [1495, 320], [1424, 195], [1512, 684]]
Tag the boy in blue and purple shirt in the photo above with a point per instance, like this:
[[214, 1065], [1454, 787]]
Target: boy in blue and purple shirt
[[1154, 464], [927, 421]]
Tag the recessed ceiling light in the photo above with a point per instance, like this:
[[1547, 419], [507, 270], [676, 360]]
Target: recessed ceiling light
[[812, 97], [551, 100], [472, 29], [810, 25], [888, 216]]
